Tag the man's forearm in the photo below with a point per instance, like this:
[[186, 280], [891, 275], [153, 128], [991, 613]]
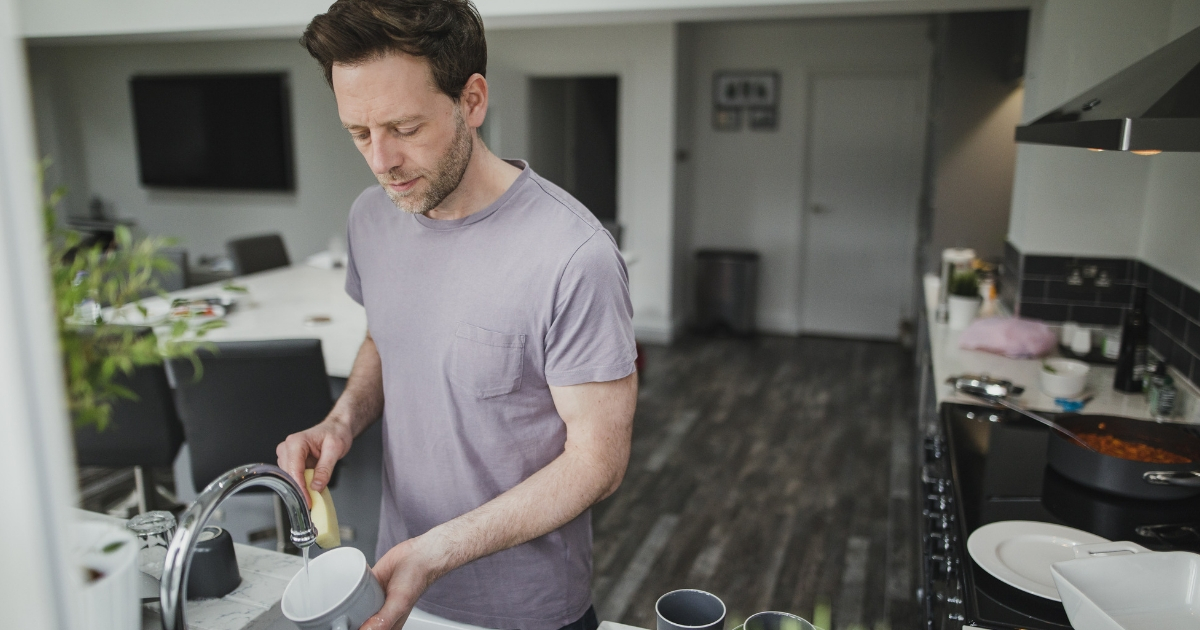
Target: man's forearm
[[362, 401]]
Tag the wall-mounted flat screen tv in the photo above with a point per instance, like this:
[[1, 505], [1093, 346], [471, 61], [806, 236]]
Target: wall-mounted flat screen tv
[[230, 132]]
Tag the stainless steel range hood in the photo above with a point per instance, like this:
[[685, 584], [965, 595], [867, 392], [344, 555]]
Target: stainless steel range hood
[[1151, 106]]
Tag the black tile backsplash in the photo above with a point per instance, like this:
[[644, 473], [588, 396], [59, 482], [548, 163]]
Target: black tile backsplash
[[1044, 266], [1117, 269], [1168, 289], [1193, 338], [1048, 312], [1141, 273], [1191, 303], [1117, 295], [1096, 315], [1098, 291], [1034, 288], [1177, 325]]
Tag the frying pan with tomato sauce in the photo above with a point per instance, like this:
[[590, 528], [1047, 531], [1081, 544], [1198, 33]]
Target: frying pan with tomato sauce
[[1140, 459]]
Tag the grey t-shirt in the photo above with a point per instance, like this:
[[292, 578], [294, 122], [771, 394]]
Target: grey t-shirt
[[474, 319]]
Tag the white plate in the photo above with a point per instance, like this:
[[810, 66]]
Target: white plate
[[1019, 553]]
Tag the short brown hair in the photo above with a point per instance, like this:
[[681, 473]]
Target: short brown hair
[[447, 33]]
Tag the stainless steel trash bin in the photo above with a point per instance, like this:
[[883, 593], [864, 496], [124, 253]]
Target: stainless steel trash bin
[[726, 290]]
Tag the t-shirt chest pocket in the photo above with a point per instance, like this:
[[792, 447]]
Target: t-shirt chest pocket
[[486, 363]]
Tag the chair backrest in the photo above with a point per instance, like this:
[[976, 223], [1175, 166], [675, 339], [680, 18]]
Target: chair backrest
[[177, 278], [250, 396], [145, 432], [257, 253]]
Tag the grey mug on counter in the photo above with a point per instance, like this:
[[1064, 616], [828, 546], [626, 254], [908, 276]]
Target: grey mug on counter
[[337, 592], [690, 609]]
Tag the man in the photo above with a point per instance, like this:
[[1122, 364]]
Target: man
[[500, 350]]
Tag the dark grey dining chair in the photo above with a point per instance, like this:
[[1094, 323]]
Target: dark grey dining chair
[[250, 396], [252, 254], [176, 279], [143, 434]]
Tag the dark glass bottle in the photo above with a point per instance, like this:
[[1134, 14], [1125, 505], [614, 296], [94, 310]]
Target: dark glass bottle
[[1131, 362]]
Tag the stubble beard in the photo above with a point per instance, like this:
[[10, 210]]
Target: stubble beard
[[442, 181]]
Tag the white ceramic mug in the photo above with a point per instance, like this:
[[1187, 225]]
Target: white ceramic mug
[[337, 592]]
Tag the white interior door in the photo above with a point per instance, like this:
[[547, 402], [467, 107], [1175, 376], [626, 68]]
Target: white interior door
[[866, 138]]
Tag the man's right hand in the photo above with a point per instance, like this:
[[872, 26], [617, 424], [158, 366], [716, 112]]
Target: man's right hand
[[322, 446], [318, 448]]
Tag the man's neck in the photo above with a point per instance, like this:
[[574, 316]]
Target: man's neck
[[487, 178]]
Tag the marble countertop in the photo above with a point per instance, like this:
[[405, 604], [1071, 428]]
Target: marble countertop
[[253, 605], [949, 360]]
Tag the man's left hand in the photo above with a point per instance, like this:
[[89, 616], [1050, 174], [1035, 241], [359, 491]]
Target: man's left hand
[[404, 572]]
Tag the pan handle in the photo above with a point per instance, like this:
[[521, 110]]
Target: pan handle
[[1189, 478]]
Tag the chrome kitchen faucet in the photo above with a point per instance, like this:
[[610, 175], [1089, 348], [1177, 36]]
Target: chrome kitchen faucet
[[172, 592]]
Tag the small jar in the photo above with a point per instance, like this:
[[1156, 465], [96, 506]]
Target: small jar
[[1164, 404]]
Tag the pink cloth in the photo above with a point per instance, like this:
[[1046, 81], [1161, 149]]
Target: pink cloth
[[1009, 336]]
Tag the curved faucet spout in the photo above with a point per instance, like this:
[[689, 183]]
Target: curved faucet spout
[[172, 591]]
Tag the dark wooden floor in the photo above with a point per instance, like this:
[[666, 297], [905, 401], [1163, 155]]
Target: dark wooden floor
[[774, 473]]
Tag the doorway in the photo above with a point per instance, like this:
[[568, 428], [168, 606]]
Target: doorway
[[573, 138], [860, 221]]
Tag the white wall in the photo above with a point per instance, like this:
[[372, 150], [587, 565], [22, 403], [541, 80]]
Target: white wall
[[643, 57], [83, 95], [1071, 201], [84, 114], [974, 153], [75, 18], [747, 188], [1171, 228]]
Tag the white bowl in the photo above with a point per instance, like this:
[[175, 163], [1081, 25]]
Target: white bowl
[[1067, 380], [1141, 591]]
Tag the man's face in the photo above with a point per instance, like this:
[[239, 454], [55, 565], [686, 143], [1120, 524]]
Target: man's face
[[412, 135]]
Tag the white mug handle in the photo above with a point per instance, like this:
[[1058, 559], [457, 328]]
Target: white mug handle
[[1097, 550], [341, 623]]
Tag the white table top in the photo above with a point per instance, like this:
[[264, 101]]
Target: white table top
[[281, 300]]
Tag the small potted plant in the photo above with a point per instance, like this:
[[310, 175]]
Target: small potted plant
[[962, 304], [92, 283]]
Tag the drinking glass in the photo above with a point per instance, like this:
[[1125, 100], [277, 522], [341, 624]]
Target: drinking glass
[[773, 620], [154, 531]]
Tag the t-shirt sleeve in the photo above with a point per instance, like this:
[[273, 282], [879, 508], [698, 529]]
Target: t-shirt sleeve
[[591, 338], [353, 282]]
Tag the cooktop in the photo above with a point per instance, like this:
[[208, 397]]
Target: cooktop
[[997, 468]]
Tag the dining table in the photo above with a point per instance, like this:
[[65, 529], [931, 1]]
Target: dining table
[[300, 301]]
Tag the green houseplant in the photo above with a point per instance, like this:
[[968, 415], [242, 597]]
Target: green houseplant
[[963, 301], [965, 284], [98, 344]]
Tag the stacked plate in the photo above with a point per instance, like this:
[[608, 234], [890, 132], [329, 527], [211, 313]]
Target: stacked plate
[[1103, 585], [1019, 553]]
